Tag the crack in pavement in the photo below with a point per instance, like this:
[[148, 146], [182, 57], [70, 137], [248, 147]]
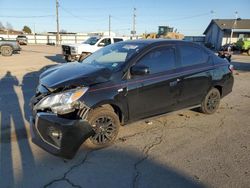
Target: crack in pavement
[[64, 178], [125, 138], [222, 121], [61, 180], [146, 150], [247, 96]]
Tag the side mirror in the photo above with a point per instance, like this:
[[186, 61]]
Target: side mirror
[[139, 70], [101, 44]]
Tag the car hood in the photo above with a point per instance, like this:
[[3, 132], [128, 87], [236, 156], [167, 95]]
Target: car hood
[[74, 45], [73, 75], [81, 44]]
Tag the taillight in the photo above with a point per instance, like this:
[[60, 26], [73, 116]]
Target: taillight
[[231, 67]]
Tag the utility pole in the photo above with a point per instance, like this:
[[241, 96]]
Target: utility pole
[[133, 32], [57, 23], [34, 31], [234, 24], [109, 24]]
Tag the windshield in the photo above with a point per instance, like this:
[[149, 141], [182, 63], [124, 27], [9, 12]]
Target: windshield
[[113, 56], [91, 40]]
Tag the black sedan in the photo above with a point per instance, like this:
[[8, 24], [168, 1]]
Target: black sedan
[[121, 83]]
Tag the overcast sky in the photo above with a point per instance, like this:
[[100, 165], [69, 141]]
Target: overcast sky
[[190, 17]]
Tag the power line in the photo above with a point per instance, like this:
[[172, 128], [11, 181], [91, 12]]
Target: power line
[[181, 18], [41, 16], [68, 12], [79, 17]]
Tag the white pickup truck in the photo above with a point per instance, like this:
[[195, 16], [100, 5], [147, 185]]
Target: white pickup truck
[[77, 52]]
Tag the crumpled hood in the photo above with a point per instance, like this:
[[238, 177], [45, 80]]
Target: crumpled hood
[[74, 74]]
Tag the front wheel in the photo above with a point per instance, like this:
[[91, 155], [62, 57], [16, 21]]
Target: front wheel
[[83, 56], [6, 51], [106, 125], [211, 102], [68, 58]]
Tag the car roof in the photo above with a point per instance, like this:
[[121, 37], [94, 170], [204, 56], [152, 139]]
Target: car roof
[[157, 41]]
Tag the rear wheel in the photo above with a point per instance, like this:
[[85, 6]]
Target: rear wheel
[[211, 102], [106, 125], [6, 50]]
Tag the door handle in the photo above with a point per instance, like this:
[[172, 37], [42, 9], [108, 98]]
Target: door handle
[[123, 91], [174, 83]]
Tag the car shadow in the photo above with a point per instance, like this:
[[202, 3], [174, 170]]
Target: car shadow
[[241, 66], [58, 58], [121, 168]]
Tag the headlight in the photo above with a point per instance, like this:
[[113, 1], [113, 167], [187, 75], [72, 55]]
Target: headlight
[[61, 103], [73, 48]]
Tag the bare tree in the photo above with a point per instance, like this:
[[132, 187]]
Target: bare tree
[[9, 26], [63, 31], [1, 26]]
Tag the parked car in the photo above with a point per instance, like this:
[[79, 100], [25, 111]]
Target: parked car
[[77, 52], [8, 47], [22, 39], [121, 83]]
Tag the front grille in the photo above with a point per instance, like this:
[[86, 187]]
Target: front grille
[[66, 50]]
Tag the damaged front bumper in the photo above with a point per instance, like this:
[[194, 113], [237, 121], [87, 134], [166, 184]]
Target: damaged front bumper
[[59, 136]]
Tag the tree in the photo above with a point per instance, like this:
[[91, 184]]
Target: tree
[[1, 26], [9, 26], [26, 29], [63, 31]]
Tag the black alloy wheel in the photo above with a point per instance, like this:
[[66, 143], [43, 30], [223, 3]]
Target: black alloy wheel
[[105, 129], [106, 124]]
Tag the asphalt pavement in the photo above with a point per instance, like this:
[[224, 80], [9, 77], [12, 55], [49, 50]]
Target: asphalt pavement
[[181, 149]]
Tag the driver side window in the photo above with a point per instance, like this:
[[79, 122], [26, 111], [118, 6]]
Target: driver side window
[[159, 60], [105, 42]]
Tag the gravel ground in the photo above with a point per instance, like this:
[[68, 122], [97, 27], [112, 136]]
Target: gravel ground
[[181, 149]]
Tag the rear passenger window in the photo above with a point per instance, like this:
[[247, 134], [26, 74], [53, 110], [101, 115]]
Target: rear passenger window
[[117, 40], [191, 55], [159, 60]]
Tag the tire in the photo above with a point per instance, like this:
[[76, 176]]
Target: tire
[[83, 56], [248, 51], [211, 102], [105, 134], [6, 51], [68, 58]]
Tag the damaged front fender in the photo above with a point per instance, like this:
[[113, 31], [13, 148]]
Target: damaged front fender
[[59, 136]]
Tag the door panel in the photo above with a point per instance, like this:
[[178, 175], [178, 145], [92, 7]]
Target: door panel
[[156, 92], [194, 87], [196, 76], [152, 95]]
